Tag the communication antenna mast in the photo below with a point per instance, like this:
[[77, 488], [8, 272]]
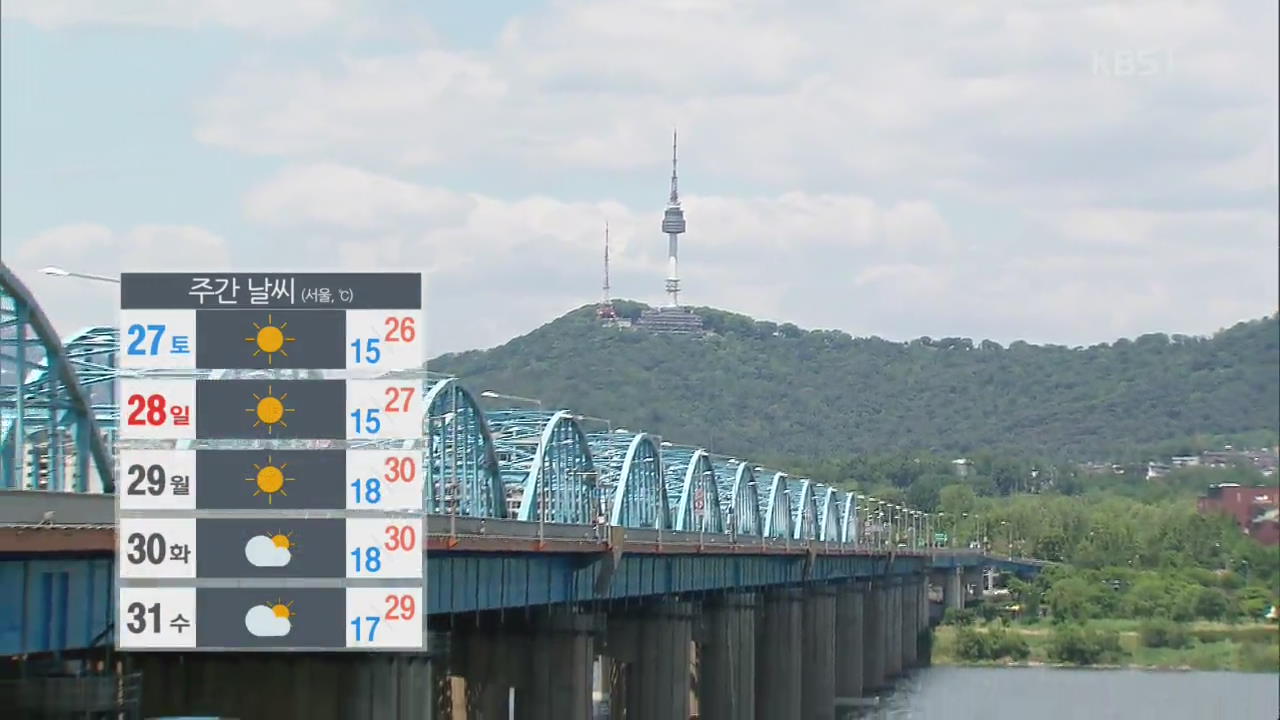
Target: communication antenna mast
[[606, 309]]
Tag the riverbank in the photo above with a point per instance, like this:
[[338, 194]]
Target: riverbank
[[1252, 647]]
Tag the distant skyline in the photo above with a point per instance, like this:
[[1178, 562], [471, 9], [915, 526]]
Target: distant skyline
[[1055, 171]]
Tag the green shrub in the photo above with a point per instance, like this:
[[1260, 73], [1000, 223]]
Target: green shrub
[[993, 644], [1079, 646], [958, 616], [1161, 633]]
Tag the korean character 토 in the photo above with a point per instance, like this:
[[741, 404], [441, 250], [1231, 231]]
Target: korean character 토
[[181, 345], [181, 414]]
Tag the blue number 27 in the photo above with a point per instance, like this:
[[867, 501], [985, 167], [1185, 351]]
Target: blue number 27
[[139, 334]]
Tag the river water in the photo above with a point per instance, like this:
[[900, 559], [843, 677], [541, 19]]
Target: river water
[[953, 693]]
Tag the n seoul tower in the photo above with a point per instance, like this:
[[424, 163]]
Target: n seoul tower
[[673, 226]]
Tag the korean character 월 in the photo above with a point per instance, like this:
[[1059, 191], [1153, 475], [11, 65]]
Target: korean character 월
[[181, 484], [181, 414]]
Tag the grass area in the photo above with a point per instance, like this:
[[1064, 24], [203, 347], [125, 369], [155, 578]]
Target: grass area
[[1213, 646]]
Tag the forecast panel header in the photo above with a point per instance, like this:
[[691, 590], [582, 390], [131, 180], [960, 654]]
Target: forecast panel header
[[252, 542]]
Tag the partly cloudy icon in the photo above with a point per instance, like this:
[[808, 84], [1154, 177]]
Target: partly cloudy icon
[[268, 620], [268, 550]]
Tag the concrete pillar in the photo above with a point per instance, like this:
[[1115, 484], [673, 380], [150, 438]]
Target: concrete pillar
[[558, 663], [910, 615], [778, 656], [490, 660], [655, 646], [953, 590], [924, 656], [893, 621], [849, 640], [873, 637], [818, 666], [727, 662]]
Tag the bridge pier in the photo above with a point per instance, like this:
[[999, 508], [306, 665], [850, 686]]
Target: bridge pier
[[873, 634], [849, 640], [893, 628], [910, 621], [778, 654], [654, 645], [924, 653], [727, 659], [818, 663], [559, 662], [953, 590]]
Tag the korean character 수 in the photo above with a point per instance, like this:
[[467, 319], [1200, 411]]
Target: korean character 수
[[181, 414], [181, 484], [259, 291], [179, 623], [180, 552], [282, 289]]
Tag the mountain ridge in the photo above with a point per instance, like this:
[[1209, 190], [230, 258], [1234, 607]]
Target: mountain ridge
[[774, 390]]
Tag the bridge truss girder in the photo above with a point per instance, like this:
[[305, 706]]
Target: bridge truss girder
[[50, 437]]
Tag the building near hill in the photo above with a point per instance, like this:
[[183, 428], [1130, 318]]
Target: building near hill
[[1255, 510]]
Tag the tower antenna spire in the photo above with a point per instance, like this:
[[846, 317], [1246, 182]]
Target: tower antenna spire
[[606, 310], [675, 183]]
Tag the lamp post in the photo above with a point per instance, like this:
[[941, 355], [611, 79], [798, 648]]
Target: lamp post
[[500, 396], [55, 271]]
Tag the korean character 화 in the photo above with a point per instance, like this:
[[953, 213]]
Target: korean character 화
[[259, 291], [179, 623], [282, 289], [181, 484], [181, 414], [180, 552]]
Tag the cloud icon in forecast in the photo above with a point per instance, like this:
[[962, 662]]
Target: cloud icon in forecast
[[268, 620], [268, 550]]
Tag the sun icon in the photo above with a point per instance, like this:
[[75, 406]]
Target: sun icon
[[270, 480], [283, 610], [270, 339], [270, 410]]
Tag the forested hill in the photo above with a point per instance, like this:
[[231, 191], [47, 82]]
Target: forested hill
[[775, 391]]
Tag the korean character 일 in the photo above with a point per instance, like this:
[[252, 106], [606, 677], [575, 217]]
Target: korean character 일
[[181, 414]]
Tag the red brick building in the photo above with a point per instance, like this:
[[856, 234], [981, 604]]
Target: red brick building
[[1256, 510]]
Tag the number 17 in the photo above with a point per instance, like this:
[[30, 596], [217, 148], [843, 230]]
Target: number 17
[[373, 626]]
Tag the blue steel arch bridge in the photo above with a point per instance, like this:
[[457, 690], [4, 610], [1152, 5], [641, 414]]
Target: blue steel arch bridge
[[58, 419]]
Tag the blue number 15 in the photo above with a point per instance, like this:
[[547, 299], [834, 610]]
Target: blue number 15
[[371, 352], [139, 334]]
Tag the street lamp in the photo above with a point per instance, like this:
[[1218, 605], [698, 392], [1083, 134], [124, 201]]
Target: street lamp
[[499, 396], [608, 423], [55, 271]]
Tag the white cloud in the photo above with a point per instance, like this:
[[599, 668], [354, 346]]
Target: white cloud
[[989, 97], [73, 303], [497, 268], [251, 15]]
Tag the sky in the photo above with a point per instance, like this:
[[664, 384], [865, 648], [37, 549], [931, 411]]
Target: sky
[[1057, 171]]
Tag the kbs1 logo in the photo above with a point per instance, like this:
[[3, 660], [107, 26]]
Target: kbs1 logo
[[1132, 63]]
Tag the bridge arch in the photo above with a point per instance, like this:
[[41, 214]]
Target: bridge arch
[[776, 507], [48, 417], [804, 509], [631, 488], [849, 517], [462, 466], [738, 497], [546, 465], [828, 502], [692, 489]]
